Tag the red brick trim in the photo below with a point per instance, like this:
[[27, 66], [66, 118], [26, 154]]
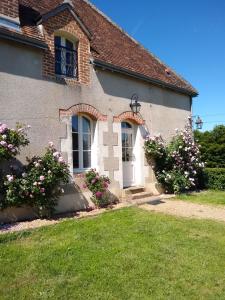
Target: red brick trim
[[83, 108], [128, 115]]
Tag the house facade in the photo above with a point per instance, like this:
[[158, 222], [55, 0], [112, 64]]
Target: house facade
[[72, 74]]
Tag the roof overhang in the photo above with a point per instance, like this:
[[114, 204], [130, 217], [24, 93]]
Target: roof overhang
[[66, 5], [20, 38], [106, 66]]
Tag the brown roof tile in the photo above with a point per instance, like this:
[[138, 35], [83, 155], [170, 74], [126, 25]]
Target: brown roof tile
[[109, 43]]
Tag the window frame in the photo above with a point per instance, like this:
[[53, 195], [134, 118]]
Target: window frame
[[63, 41], [127, 130], [81, 150]]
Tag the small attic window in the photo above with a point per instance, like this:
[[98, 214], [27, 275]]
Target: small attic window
[[66, 62]]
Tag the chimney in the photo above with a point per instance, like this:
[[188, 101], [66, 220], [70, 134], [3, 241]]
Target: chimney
[[10, 8]]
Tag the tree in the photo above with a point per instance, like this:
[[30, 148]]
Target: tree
[[212, 146]]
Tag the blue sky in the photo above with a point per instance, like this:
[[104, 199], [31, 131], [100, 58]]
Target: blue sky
[[189, 36]]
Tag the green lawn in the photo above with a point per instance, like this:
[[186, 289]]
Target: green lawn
[[204, 197], [125, 254]]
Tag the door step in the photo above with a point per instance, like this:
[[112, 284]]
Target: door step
[[135, 193], [133, 190], [141, 195]]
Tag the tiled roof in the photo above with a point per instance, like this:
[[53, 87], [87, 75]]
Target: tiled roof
[[109, 43]]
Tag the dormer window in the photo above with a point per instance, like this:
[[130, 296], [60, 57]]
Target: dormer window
[[66, 62]]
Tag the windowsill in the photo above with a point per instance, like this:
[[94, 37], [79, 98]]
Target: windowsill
[[80, 171], [66, 77]]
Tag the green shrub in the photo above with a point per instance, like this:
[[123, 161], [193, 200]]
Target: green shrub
[[214, 178]]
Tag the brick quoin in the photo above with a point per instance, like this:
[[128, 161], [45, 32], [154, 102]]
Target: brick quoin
[[83, 108], [65, 23], [9, 8], [128, 115]]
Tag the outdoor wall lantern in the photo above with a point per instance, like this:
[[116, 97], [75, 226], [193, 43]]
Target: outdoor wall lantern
[[199, 123], [135, 105]]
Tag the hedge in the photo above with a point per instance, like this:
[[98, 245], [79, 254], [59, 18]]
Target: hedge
[[214, 178]]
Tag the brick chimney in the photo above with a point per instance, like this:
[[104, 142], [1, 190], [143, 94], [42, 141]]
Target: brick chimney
[[9, 8]]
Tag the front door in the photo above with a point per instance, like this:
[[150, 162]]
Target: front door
[[127, 154]]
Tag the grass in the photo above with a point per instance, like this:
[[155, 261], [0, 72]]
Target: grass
[[204, 197], [125, 254]]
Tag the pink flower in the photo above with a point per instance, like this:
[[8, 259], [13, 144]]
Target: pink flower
[[84, 186], [42, 178], [106, 185], [42, 190], [3, 128], [3, 143], [10, 146], [93, 181], [98, 194]]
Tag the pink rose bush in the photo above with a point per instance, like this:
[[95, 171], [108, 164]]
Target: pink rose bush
[[178, 166], [98, 185], [11, 140], [38, 183]]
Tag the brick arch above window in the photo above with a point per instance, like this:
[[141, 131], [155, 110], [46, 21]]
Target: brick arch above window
[[128, 115], [83, 108]]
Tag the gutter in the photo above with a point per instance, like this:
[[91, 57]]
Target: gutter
[[12, 36], [113, 68]]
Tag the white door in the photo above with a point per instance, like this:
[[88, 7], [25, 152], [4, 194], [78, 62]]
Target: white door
[[127, 154]]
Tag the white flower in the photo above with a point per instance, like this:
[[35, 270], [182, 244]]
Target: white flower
[[35, 183], [42, 178], [10, 178], [61, 160], [24, 175], [56, 154], [51, 144]]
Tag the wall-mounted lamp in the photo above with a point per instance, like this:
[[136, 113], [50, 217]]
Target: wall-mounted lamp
[[199, 123], [135, 105]]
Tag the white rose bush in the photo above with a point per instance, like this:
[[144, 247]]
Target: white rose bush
[[36, 184], [178, 166], [11, 140]]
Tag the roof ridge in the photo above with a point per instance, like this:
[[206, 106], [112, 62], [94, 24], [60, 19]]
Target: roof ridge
[[138, 43]]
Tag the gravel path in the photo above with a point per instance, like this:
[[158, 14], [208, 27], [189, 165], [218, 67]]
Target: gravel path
[[156, 203], [27, 225], [186, 209]]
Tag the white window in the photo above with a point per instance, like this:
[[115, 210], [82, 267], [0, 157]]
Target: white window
[[66, 62], [82, 141]]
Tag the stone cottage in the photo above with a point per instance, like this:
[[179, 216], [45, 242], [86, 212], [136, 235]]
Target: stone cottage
[[80, 81]]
